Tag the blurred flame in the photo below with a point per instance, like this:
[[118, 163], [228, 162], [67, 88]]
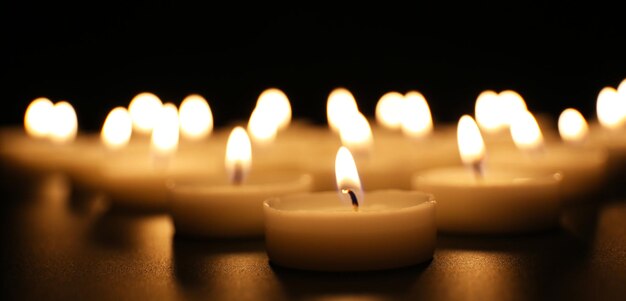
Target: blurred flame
[[356, 133], [275, 101], [238, 155], [63, 124], [37, 117], [262, 125], [341, 103], [144, 111], [389, 110], [572, 126], [347, 175], [165, 133], [512, 104], [488, 112], [525, 132], [471, 144], [417, 121], [610, 110], [117, 128], [196, 118]]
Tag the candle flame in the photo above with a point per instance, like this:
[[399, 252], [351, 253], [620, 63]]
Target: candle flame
[[526, 132], [262, 125], [37, 117], [196, 118], [610, 108], [144, 111], [572, 126], [417, 121], [389, 110], [117, 128], [165, 133], [238, 155], [276, 102], [512, 104], [63, 124], [340, 103], [488, 112], [347, 176], [356, 134], [470, 141]]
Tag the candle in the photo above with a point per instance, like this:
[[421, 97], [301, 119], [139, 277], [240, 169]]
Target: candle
[[221, 207], [583, 169], [350, 230], [481, 200]]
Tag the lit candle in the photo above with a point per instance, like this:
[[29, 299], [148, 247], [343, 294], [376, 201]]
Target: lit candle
[[583, 169], [483, 199], [349, 230], [230, 206]]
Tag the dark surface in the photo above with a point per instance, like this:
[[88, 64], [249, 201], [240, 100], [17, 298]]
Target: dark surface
[[557, 55], [75, 248]]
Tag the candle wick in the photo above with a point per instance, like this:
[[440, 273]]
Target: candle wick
[[237, 174], [478, 169], [355, 201]]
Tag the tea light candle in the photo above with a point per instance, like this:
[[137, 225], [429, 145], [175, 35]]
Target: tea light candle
[[223, 208], [371, 231], [489, 201]]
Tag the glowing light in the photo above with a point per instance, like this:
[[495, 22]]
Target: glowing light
[[165, 134], [117, 128], [417, 121], [63, 124], [262, 126], [356, 134], [144, 111], [526, 133], [470, 141], [512, 104], [347, 176], [572, 126], [275, 101], [196, 118], [341, 103], [37, 117], [238, 155], [389, 110], [610, 110], [488, 112]]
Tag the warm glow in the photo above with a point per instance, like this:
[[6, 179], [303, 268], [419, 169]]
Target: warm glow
[[275, 101], [262, 125], [347, 175], [471, 144], [37, 117], [611, 111], [356, 134], [165, 134], [488, 112], [238, 155], [341, 103], [621, 89], [389, 110], [196, 118], [144, 110], [572, 126], [512, 104], [525, 132], [63, 123], [117, 129], [416, 119]]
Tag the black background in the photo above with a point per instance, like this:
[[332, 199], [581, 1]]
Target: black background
[[99, 56]]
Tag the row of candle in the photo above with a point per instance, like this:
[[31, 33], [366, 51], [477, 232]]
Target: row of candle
[[512, 192]]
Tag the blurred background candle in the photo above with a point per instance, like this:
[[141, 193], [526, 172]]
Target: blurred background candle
[[481, 199]]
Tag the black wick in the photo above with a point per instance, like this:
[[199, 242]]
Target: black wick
[[355, 201], [237, 174]]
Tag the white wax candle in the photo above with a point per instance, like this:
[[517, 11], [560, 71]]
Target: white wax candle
[[317, 232], [499, 201], [583, 169], [217, 208]]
